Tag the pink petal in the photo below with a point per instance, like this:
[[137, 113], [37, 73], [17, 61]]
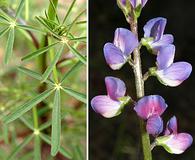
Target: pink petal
[[149, 106]]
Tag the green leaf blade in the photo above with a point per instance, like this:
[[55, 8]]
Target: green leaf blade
[[4, 31], [65, 153], [9, 46], [79, 96], [38, 52], [56, 124], [19, 9], [72, 70], [20, 147], [53, 63], [81, 57], [34, 74], [26, 106], [37, 148]]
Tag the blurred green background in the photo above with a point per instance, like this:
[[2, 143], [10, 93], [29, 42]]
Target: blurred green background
[[118, 138]]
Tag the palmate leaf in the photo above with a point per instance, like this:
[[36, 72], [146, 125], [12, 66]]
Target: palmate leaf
[[56, 124], [53, 63], [27, 106], [79, 96], [65, 153], [37, 148], [47, 27], [72, 70], [9, 45], [20, 147], [38, 52], [34, 74], [81, 57]]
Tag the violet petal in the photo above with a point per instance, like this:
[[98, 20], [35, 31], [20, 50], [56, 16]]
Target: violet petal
[[115, 87]]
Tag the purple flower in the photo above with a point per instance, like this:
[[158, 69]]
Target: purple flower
[[154, 37], [110, 105], [135, 3], [174, 142], [150, 108], [169, 73], [118, 52]]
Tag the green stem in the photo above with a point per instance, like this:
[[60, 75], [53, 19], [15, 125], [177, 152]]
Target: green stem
[[52, 16], [140, 93], [35, 118]]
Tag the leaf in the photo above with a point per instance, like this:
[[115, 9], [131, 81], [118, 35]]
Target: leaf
[[19, 9], [65, 153], [73, 69], [20, 147], [68, 12], [6, 134], [53, 63], [27, 123], [5, 16], [9, 46], [37, 148], [34, 74], [41, 20], [78, 155], [26, 107], [80, 96], [74, 21], [4, 31], [81, 57], [52, 12], [38, 52], [56, 124], [30, 28], [79, 39]]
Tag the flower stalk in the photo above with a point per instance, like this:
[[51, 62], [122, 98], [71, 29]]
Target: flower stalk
[[140, 92]]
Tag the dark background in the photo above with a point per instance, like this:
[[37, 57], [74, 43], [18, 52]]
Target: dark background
[[118, 138]]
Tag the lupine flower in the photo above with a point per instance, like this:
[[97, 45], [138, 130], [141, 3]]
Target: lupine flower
[[110, 105], [172, 141], [135, 3], [169, 73], [150, 108], [154, 37], [118, 52]]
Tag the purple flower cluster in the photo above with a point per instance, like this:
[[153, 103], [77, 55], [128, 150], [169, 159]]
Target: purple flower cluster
[[170, 73]]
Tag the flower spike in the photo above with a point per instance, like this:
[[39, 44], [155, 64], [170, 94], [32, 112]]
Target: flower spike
[[118, 52]]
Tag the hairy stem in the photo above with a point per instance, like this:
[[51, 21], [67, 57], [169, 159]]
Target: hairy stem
[[140, 93]]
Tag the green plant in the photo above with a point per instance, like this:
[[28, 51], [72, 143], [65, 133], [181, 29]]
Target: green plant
[[38, 92]]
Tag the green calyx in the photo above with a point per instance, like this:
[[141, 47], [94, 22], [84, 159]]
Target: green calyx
[[161, 141], [124, 101]]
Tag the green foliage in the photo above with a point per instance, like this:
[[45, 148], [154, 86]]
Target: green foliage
[[55, 62]]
